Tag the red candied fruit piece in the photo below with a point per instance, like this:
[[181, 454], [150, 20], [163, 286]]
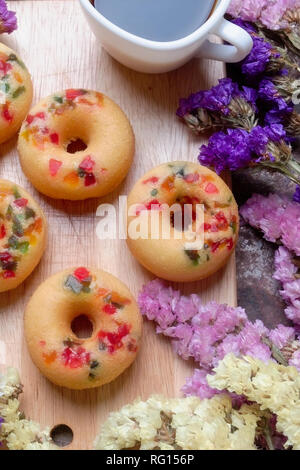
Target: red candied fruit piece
[[54, 137], [40, 115], [207, 227], [222, 221], [54, 166], [215, 246], [115, 338], [192, 177], [87, 164], [82, 274], [5, 67], [153, 179], [2, 231], [75, 358], [5, 257], [89, 179], [6, 113], [29, 118], [154, 202], [8, 274], [21, 202], [72, 93], [230, 244], [109, 308], [211, 188]]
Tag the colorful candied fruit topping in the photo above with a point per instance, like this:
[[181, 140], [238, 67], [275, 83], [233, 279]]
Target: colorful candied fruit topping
[[85, 171], [152, 179], [79, 281], [112, 341], [192, 177], [18, 223], [54, 166], [75, 357], [49, 358], [211, 188], [113, 301], [54, 138], [169, 183]]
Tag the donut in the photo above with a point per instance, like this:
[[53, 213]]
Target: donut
[[22, 235], [76, 144], [175, 258], [82, 362], [15, 92]]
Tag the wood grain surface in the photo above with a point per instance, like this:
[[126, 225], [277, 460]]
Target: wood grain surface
[[54, 40]]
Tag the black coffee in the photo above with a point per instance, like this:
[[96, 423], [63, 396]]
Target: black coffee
[[158, 20]]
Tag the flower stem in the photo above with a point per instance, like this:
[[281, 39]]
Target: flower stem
[[290, 168]]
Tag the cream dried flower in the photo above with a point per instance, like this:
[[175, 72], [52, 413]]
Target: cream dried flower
[[180, 423], [18, 432], [274, 387]]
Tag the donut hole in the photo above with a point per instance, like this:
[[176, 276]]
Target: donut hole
[[75, 145], [82, 326], [62, 435]]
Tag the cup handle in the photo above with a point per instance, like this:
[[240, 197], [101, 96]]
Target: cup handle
[[239, 38]]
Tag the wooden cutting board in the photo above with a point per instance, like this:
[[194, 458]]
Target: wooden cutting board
[[54, 40]]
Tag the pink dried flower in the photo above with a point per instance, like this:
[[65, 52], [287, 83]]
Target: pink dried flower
[[270, 13], [248, 10], [277, 217], [285, 272], [208, 332]]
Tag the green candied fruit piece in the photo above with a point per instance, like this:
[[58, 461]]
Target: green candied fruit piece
[[14, 58], [193, 256], [17, 194], [73, 284], [154, 192], [23, 247], [58, 99], [18, 92]]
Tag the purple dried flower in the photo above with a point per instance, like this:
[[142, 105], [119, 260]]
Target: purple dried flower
[[8, 20], [224, 105], [268, 92], [187, 105], [227, 150], [296, 196], [237, 148]]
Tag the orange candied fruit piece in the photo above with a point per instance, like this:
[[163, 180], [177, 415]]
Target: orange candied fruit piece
[[118, 299], [72, 178], [101, 292], [49, 358], [18, 77], [168, 183]]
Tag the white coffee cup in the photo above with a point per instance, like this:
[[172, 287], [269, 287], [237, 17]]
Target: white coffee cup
[[149, 56]]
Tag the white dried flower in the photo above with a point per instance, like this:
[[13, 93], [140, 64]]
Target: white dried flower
[[180, 423], [274, 387], [18, 432]]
